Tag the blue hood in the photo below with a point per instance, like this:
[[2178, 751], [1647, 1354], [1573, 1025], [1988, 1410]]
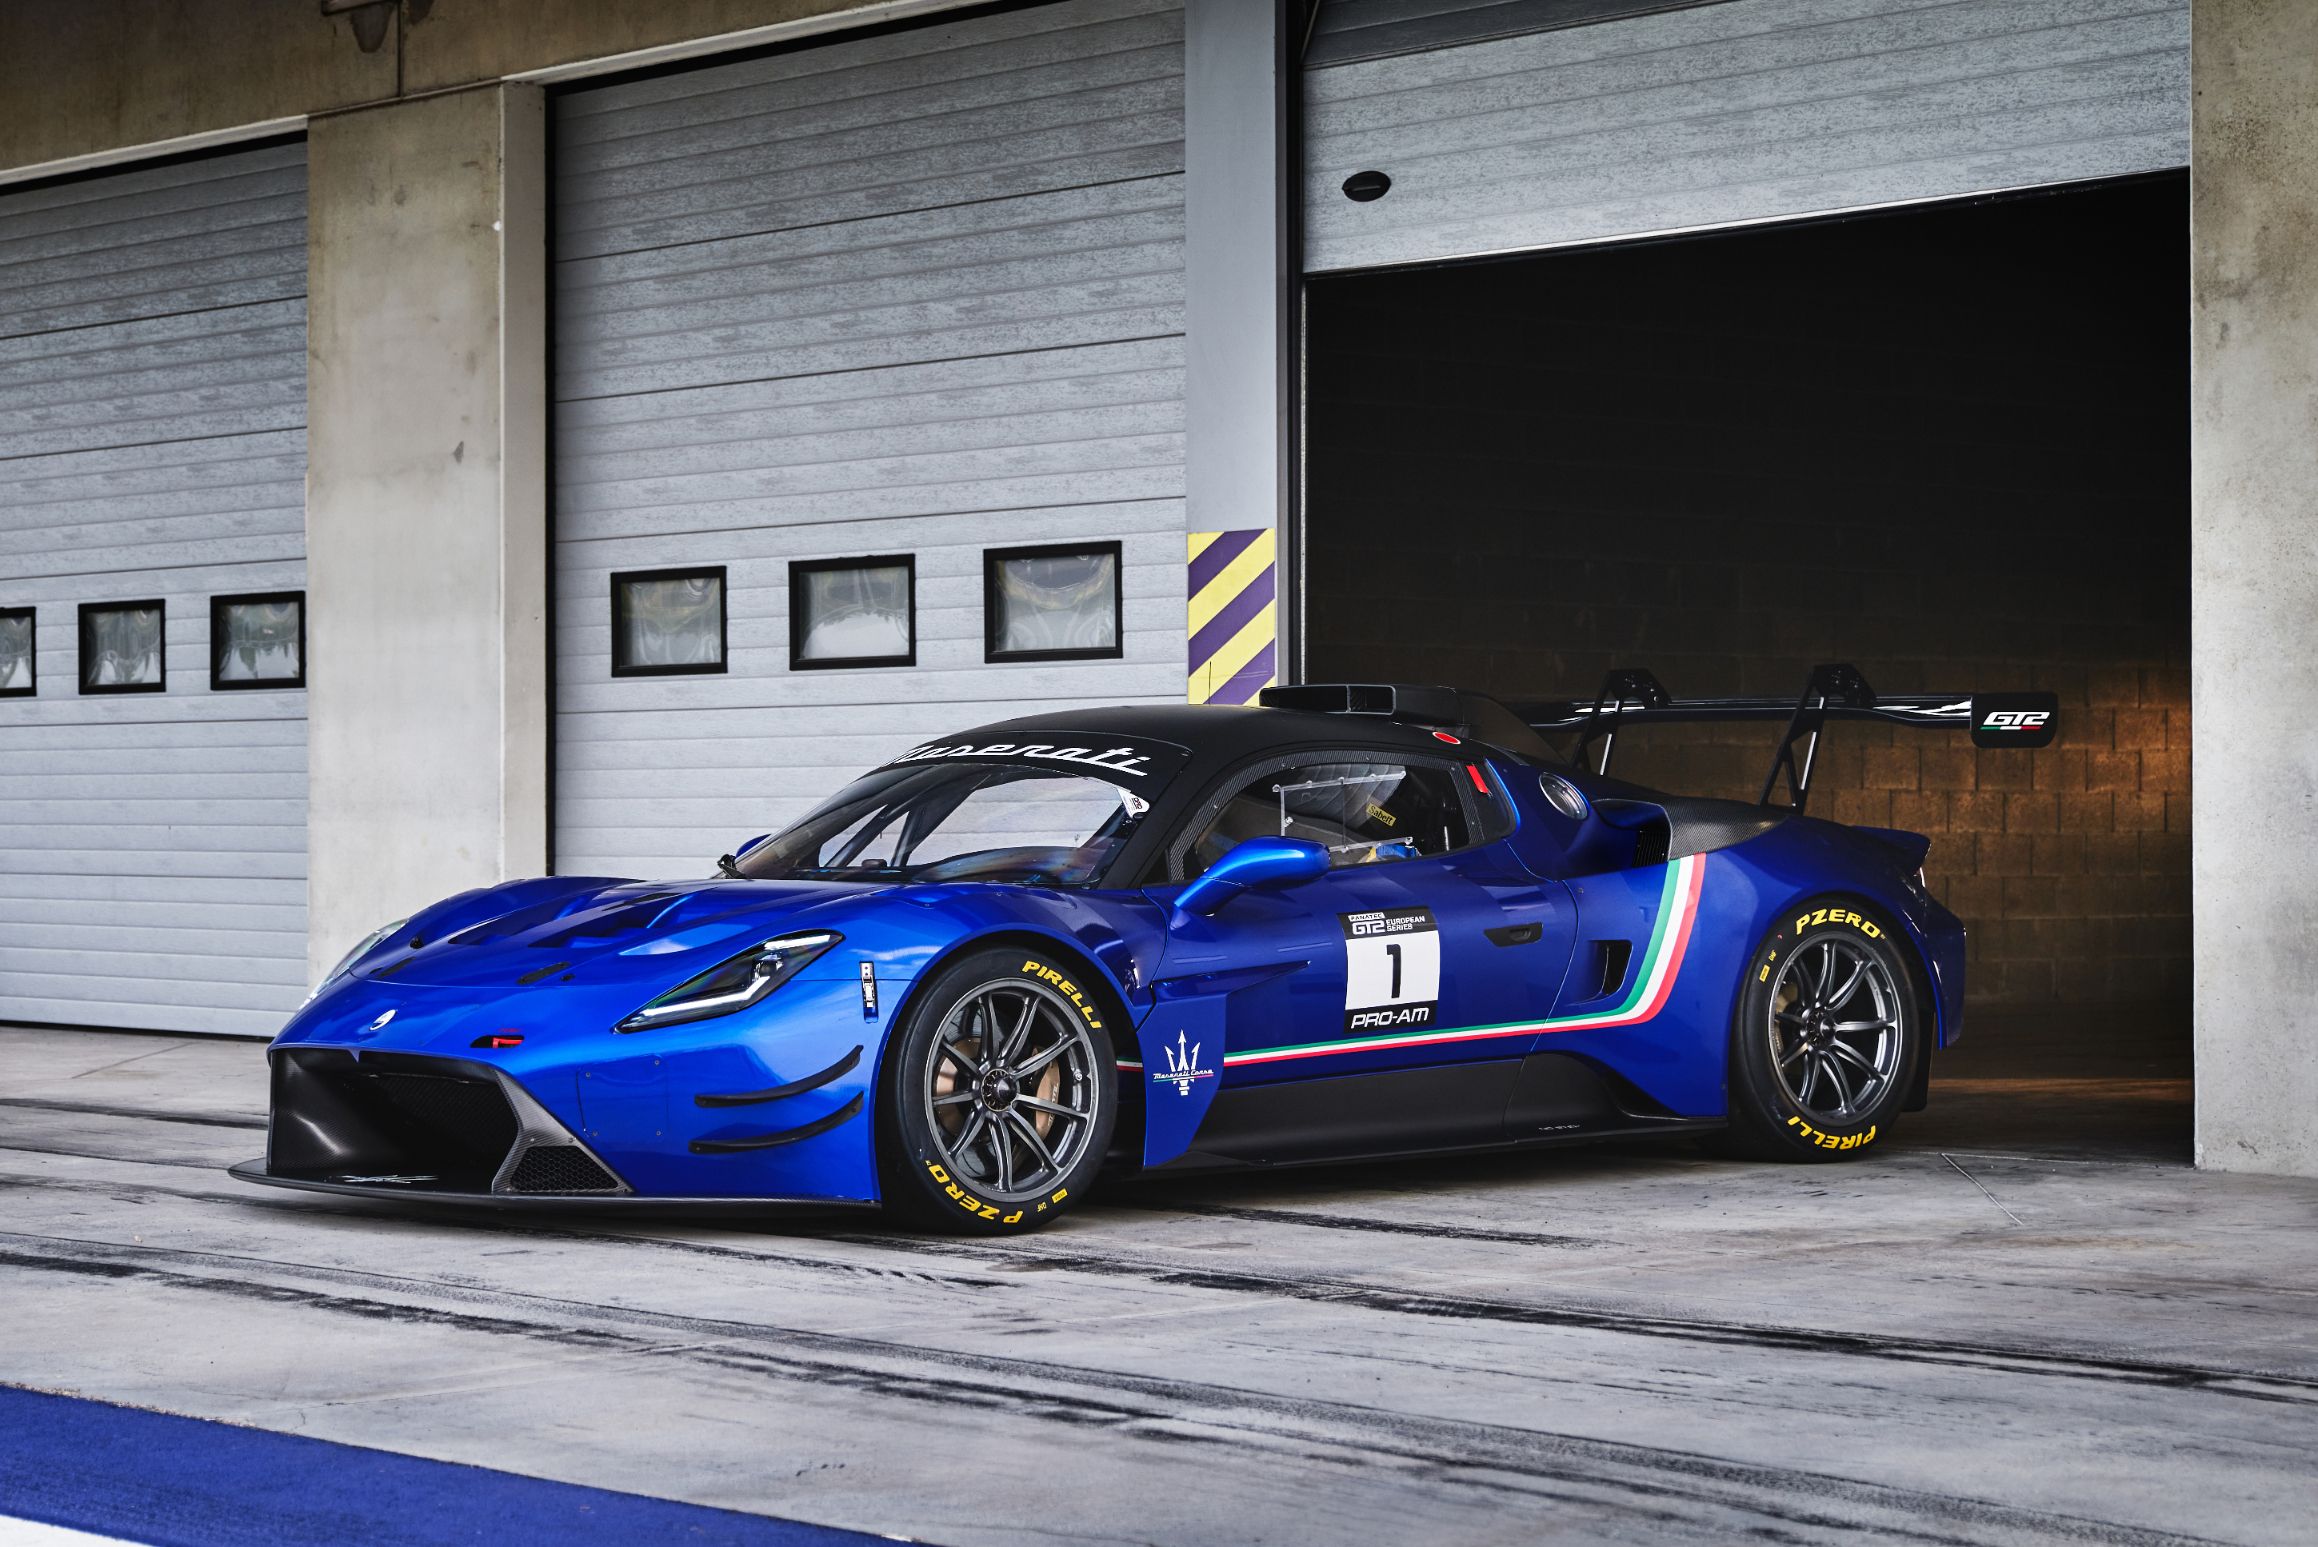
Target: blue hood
[[586, 930]]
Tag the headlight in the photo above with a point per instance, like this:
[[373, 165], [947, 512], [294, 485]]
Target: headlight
[[370, 943], [733, 985]]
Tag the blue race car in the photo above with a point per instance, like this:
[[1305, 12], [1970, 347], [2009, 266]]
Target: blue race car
[[1354, 921]]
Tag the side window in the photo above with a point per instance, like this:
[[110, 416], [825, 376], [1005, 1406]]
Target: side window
[[1363, 811]]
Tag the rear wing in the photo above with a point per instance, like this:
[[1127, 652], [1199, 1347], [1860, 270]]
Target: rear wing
[[1836, 691]]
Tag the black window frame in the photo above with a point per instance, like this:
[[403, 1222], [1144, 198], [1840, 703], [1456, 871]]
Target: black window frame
[[31, 617], [161, 648], [994, 558], [217, 607], [800, 569], [619, 612]]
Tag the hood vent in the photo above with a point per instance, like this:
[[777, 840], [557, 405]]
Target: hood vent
[[628, 917]]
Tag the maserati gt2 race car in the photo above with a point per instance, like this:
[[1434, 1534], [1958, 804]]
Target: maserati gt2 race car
[[1354, 920]]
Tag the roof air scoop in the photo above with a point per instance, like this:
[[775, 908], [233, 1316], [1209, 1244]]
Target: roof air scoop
[[1414, 704]]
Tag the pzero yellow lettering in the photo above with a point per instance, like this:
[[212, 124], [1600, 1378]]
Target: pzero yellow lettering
[[1865, 926]]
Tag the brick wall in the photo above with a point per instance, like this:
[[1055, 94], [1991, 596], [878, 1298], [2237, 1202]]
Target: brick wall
[[1949, 445]]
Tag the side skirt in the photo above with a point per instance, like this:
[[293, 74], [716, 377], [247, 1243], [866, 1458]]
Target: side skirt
[[1545, 1098]]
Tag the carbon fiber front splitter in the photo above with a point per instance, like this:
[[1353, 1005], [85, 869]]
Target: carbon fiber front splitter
[[626, 1203]]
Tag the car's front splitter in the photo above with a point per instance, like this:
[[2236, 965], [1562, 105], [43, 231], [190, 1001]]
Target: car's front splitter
[[570, 1203]]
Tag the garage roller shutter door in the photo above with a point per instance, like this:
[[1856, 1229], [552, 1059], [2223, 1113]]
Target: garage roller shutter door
[[153, 444], [917, 292], [1499, 139]]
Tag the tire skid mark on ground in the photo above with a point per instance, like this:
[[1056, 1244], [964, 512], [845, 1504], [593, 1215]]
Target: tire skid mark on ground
[[1356, 1222], [1021, 1252], [2012, 1358], [1644, 1480], [136, 1114], [503, 1227]]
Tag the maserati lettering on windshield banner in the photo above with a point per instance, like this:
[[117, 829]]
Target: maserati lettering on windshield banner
[[1118, 758]]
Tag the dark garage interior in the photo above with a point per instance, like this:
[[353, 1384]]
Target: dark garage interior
[[1948, 443]]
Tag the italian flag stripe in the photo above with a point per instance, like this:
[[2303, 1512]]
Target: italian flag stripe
[[1653, 983]]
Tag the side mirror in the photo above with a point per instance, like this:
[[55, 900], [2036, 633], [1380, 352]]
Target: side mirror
[[1257, 862], [742, 851]]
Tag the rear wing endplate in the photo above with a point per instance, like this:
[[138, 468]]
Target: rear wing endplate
[[1835, 691]]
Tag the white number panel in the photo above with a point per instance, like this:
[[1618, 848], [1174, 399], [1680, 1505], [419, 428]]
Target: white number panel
[[1392, 969]]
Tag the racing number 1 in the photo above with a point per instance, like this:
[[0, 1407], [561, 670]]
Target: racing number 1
[[1392, 969]]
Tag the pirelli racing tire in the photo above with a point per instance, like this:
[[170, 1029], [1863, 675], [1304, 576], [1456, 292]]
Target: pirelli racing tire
[[1828, 1036], [998, 1095]]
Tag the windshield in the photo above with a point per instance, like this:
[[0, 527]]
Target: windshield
[[957, 821]]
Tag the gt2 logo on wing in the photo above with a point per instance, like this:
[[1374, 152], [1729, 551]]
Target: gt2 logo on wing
[[2015, 720]]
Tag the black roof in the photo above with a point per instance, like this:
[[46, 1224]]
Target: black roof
[[1216, 732]]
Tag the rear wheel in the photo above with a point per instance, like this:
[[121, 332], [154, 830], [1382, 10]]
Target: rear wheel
[[1827, 1039], [999, 1096]]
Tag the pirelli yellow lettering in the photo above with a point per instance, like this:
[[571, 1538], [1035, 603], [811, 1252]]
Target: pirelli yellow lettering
[[1067, 989], [1838, 916], [980, 1210], [1831, 1141]]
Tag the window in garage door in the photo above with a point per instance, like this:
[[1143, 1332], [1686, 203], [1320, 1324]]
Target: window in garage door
[[911, 292]]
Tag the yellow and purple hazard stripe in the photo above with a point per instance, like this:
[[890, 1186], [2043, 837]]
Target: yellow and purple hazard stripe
[[1234, 590]]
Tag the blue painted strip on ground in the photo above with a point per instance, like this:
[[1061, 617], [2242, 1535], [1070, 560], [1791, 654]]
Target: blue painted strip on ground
[[189, 1482]]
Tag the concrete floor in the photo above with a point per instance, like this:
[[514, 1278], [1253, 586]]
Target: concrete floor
[[2024, 1319]]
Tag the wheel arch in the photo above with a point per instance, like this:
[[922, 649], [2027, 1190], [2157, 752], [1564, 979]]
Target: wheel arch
[[1915, 956], [1062, 954]]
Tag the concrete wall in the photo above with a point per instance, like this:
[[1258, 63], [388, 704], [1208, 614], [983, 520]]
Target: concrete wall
[[2254, 580], [426, 532], [84, 80], [81, 78], [1236, 355]]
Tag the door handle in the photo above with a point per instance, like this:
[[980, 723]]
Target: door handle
[[1516, 934]]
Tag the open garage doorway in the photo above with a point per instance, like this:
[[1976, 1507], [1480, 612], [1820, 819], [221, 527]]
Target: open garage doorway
[[1948, 443]]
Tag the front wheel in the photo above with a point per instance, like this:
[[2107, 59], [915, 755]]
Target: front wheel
[[1827, 1037], [998, 1097]]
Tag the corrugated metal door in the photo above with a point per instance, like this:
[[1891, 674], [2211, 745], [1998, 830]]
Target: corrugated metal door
[[917, 292], [1514, 124], [153, 446]]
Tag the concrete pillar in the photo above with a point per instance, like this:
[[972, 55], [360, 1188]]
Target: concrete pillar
[[2254, 580], [426, 535], [1237, 272]]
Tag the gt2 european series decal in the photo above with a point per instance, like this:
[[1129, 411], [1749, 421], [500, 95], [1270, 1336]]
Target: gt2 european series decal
[[1392, 969]]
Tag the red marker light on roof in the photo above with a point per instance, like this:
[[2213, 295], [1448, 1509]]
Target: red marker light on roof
[[1445, 736], [500, 1039]]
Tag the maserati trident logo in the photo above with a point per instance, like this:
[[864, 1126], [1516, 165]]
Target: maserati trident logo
[[383, 1017], [1182, 1066]]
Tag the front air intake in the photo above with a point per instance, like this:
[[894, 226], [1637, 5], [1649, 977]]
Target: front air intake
[[419, 1124], [433, 1124]]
